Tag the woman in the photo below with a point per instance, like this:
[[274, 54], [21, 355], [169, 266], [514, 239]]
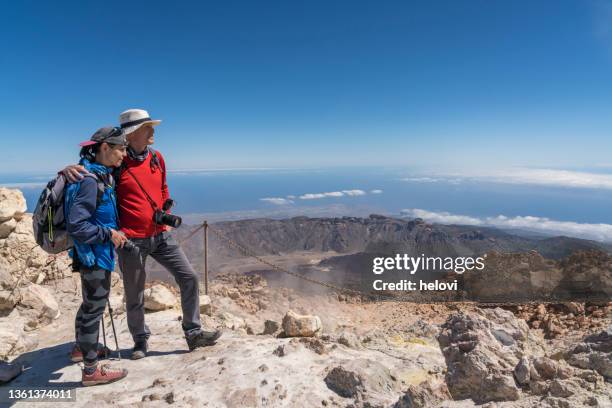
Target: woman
[[92, 222]]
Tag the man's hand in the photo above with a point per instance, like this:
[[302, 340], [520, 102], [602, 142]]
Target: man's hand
[[118, 238], [74, 172]]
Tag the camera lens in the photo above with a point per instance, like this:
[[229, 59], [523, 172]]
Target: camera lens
[[173, 221], [160, 217]]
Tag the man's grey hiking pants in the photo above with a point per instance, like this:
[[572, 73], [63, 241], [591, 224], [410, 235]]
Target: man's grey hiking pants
[[165, 250], [95, 287]]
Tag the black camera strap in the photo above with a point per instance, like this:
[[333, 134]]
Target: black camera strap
[[148, 197]]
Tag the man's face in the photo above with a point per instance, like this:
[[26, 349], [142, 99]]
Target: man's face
[[143, 136]]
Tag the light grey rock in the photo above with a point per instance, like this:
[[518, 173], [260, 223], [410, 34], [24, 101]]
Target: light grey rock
[[295, 325], [426, 394], [37, 306], [158, 297], [205, 305], [6, 227], [594, 352], [11, 334], [271, 327], [482, 350], [12, 203], [522, 371]]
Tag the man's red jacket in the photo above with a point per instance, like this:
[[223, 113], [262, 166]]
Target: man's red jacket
[[135, 211]]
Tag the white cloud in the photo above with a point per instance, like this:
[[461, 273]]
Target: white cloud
[[549, 177], [354, 192], [539, 177], [423, 179], [442, 179], [441, 217], [316, 196], [598, 232], [277, 200]]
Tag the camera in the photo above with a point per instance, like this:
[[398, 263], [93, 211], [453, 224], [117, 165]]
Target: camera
[[162, 217]]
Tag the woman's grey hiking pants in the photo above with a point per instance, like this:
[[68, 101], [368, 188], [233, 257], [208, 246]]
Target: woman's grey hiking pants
[[95, 287], [165, 250]]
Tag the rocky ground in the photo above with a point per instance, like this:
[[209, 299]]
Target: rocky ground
[[284, 348], [355, 354]]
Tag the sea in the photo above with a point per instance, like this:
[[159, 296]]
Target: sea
[[230, 194]]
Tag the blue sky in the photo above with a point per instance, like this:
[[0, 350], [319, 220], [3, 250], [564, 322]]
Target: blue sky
[[443, 84]]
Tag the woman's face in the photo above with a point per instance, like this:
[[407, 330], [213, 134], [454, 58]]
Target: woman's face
[[112, 155]]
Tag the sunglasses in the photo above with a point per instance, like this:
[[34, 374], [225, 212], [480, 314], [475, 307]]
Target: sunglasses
[[115, 132]]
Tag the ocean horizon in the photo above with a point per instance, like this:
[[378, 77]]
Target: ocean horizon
[[548, 207]]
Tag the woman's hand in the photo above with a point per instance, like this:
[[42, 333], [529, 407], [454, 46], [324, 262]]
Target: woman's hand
[[119, 239]]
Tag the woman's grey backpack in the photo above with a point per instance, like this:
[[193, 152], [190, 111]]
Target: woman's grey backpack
[[48, 219]]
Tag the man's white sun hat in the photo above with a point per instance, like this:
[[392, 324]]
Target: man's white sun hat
[[132, 119]]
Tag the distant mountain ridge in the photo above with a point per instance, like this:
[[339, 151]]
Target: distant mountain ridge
[[380, 234]]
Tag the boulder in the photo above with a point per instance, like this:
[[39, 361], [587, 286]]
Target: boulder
[[594, 353], [574, 307], [205, 305], [345, 383], [25, 227], [482, 350], [7, 281], [158, 297], [37, 306], [6, 227], [12, 204], [295, 325], [271, 327], [367, 381], [350, 340], [231, 322], [522, 371], [8, 300], [549, 369], [426, 394], [11, 335], [117, 302]]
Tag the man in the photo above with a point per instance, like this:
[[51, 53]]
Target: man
[[141, 192]]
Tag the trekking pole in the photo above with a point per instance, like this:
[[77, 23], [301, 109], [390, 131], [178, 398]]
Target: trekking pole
[[110, 312], [104, 337]]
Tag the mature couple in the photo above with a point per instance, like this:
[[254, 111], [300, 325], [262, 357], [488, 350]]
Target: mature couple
[[115, 193]]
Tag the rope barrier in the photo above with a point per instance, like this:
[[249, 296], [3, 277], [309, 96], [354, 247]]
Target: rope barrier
[[191, 235]]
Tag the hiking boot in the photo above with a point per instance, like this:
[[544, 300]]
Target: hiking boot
[[202, 339], [103, 375], [140, 350], [76, 355]]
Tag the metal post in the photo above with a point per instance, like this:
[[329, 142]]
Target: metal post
[[206, 257]]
